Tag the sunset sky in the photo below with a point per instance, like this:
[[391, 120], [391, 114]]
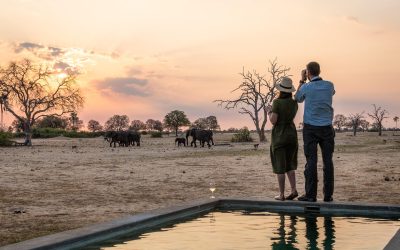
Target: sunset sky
[[146, 58]]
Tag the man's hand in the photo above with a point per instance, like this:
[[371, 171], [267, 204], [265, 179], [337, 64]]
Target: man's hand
[[303, 76]]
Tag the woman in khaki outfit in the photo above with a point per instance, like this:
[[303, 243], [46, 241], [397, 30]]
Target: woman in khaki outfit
[[284, 144]]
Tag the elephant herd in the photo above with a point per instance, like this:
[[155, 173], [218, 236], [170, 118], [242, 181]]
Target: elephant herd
[[128, 138], [123, 138]]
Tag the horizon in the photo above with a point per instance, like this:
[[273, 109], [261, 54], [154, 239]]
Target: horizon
[[145, 59]]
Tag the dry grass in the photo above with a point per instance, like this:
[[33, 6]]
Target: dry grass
[[60, 187]]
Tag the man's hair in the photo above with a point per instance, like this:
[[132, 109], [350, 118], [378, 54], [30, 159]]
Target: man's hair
[[313, 68]]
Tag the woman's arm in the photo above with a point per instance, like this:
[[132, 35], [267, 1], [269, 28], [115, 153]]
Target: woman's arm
[[273, 118]]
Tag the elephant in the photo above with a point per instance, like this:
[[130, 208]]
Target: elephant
[[180, 141], [199, 134], [123, 138], [134, 136]]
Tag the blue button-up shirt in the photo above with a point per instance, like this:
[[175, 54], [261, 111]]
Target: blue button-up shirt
[[317, 96]]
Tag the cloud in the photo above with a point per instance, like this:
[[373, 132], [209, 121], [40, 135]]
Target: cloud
[[55, 53], [131, 71], [352, 19], [134, 71], [61, 65], [124, 85], [41, 51], [27, 45]]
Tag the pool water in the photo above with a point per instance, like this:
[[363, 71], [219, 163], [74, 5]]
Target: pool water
[[264, 230]]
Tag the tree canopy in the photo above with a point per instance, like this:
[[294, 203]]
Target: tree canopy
[[176, 119], [94, 126], [117, 123], [32, 91]]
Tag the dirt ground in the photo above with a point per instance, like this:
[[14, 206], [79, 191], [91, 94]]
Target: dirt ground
[[54, 186]]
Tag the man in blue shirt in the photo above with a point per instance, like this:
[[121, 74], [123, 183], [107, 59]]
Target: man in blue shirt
[[318, 115]]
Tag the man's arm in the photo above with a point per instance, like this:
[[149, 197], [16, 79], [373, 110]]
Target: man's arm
[[299, 96]]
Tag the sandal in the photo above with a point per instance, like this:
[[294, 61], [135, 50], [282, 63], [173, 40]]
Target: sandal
[[279, 198], [292, 196]]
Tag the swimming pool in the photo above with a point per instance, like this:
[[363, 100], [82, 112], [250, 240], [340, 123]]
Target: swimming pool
[[263, 230], [278, 224]]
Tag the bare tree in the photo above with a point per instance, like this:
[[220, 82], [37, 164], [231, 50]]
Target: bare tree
[[339, 121], [378, 115], [354, 121], [30, 92], [256, 94]]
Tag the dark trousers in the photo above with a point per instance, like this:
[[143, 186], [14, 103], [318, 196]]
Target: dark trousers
[[325, 137]]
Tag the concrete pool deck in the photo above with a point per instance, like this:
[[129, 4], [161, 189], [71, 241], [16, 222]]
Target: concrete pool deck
[[142, 222]]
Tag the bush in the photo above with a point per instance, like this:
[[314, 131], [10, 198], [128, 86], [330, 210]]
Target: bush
[[82, 134], [144, 132], [47, 132], [5, 139], [243, 135], [54, 132], [155, 134]]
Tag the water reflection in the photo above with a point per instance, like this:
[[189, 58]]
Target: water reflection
[[262, 230], [283, 242], [287, 232], [329, 240]]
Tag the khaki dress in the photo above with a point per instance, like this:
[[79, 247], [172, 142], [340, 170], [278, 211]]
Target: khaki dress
[[284, 144]]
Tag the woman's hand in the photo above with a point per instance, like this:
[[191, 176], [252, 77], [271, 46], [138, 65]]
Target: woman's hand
[[273, 118], [268, 109]]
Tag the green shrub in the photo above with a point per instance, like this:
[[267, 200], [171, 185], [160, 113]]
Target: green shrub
[[54, 132], [5, 139], [243, 135], [19, 135], [47, 132], [155, 134], [82, 134]]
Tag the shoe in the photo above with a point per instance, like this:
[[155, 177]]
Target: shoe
[[305, 198], [328, 199], [292, 196], [279, 198]]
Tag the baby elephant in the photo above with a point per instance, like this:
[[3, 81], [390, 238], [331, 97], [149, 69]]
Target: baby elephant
[[180, 141]]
